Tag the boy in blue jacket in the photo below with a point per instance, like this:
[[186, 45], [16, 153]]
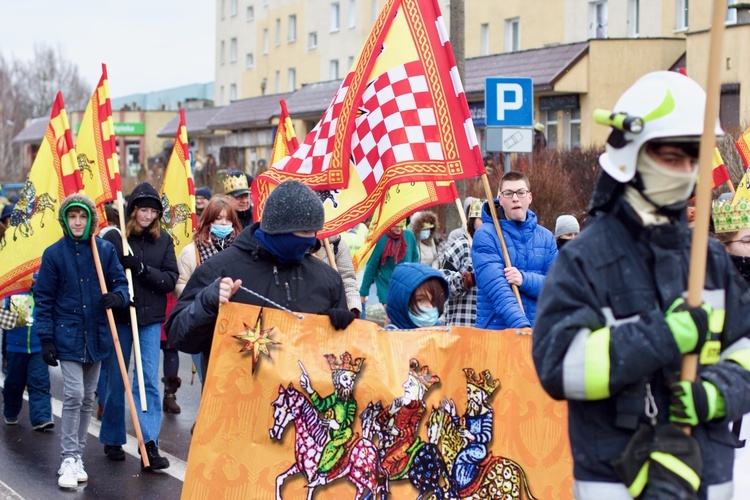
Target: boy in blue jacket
[[71, 322]]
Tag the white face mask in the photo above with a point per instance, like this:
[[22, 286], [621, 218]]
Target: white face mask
[[424, 234], [662, 185]]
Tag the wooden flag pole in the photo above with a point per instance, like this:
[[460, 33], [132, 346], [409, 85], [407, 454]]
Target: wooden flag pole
[[329, 253], [462, 216], [730, 185], [120, 358], [496, 222], [699, 244], [133, 317]]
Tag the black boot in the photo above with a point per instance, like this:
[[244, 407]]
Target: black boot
[[155, 460], [169, 404]]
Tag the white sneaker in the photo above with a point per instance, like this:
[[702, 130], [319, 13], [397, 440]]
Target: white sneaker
[[81, 475], [67, 474]]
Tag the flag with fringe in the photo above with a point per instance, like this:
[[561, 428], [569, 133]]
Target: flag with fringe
[[33, 222], [178, 192], [399, 116], [96, 149]]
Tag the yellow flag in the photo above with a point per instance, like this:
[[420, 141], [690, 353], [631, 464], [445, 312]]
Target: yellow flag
[[178, 192], [33, 223]]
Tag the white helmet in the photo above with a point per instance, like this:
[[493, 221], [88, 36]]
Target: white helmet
[[662, 104]]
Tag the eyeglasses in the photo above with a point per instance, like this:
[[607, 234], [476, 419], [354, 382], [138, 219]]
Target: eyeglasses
[[521, 193], [243, 196], [745, 240]]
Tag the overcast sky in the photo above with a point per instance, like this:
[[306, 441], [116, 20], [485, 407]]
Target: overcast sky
[[146, 44]]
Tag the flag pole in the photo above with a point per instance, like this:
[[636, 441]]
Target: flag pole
[[120, 358], [133, 317], [699, 244], [329, 253], [496, 222], [462, 216], [730, 185]]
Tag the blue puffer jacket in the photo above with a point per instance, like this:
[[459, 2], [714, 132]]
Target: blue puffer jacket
[[20, 338], [532, 250], [406, 277], [67, 296]]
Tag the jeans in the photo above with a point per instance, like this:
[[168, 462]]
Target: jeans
[[198, 363], [79, 385], [27, 370], [113, 432]]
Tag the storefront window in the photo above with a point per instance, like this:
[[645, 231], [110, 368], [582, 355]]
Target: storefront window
[[552, 129]]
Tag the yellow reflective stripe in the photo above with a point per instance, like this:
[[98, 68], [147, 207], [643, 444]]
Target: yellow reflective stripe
[[640, 481], [677, 466], [597, 364], [716, 320], [742, 358]]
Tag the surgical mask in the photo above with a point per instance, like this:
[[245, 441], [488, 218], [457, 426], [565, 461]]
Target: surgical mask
[[287, 247], [661, 185], [427, 317], [221, 231], [424, 234]]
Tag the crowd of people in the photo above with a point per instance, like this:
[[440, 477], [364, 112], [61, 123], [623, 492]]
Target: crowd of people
[[608, 308]]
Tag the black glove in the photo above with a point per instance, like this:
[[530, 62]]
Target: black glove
[[49, 353], [340, 318], [110, 301], [131, 262]]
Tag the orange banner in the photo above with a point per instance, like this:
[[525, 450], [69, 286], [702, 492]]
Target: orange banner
[[258, 426]]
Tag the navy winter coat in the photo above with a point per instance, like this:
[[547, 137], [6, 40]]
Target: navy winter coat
[[532, 250], [67, 295]]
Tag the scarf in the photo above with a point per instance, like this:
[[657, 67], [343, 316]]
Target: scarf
[[215, 246], [395, 247]]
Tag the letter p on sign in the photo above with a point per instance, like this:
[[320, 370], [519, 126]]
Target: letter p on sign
[[512, 98]]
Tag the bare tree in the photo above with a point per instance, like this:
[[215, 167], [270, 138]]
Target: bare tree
[[27, 90]]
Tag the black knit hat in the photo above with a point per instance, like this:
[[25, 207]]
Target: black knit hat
[[144, 195], [290, 207]]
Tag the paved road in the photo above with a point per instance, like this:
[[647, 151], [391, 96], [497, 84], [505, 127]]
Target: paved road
[[29, 460]]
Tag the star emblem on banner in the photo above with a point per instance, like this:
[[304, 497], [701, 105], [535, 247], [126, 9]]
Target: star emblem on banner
[[256, 339]]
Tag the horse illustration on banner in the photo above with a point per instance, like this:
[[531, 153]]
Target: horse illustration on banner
[[85, 164], [174, 215], [28, 206]]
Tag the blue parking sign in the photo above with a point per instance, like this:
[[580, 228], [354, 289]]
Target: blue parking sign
[[509, 102]]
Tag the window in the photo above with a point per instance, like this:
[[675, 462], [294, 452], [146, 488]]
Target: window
[[233, 50], [374, 11], [221, 52], [223, 9], [729, 107], [277, 38], [484, 39], [352, 13], [573, 117], [681, 15], [265, 40], [335, 26], [292, 35], [350, 62], [731, 13], [221, 94], [598, 20], [232, 8], [512, 35], [552, 129], [634, 9], [312, 40], [249, 60], [291, 79], [277, 81], [233, 92], [250, 15], [333, 69]]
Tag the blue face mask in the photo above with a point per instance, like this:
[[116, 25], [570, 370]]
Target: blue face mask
[[424, 234], [287, 247], [220, 231], [425, 318]]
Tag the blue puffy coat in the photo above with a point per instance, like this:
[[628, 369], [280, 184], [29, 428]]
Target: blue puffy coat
[[406, 277], [532, 250], [67, 295]]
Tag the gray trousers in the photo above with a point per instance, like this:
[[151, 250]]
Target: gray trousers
[[79, 386]]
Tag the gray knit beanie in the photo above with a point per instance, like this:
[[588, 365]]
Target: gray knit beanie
[[292, 206], [566, 224]]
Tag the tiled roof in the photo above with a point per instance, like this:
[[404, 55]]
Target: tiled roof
[[312, 99], [248, 113], [196, 121], [34, 132], [545, 66]]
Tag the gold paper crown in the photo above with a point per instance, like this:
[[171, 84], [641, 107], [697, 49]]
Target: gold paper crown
[[483, 380], [729, 217], [235, 183], [346, 363], [475, 209], [422, 374]]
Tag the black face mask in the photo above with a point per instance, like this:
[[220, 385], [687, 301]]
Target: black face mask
[[561, 242], [743, 265]]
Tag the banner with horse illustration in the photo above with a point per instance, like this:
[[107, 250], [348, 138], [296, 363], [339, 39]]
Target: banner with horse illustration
[[291, 405]]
